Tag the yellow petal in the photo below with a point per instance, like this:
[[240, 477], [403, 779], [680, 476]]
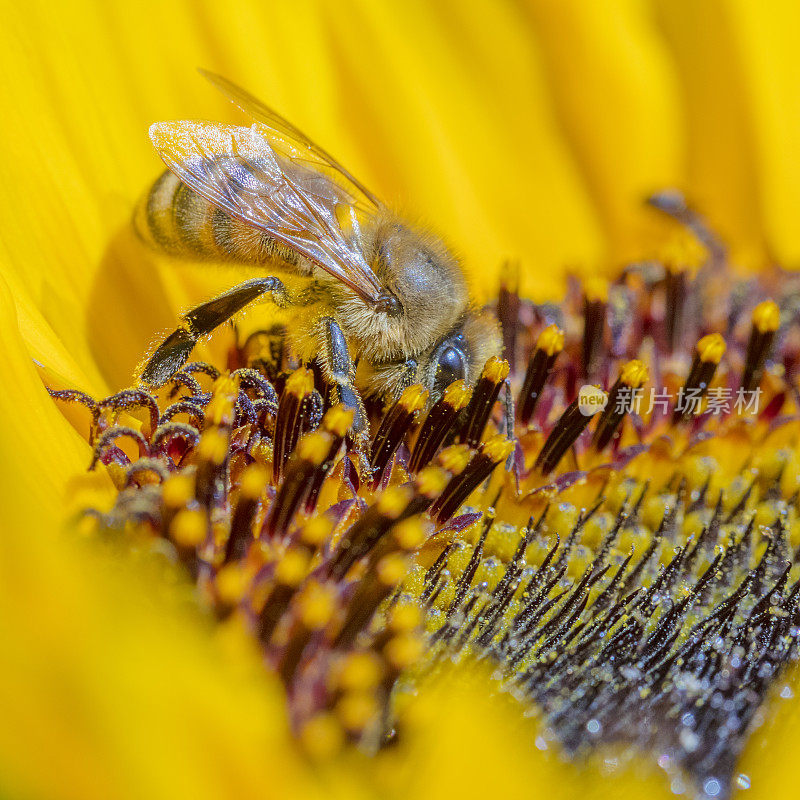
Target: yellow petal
[[616, 95], [39, 453], [111, 689], [722, 175], [768, 763], [765, 34], [740, 71]]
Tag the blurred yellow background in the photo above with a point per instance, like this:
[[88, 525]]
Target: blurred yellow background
[[526, 130]]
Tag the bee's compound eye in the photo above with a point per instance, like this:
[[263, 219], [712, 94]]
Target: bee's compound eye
[[451, 367]]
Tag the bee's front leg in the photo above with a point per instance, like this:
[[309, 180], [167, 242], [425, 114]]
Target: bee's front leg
[[338, 368], [409, 375], [201, 320]]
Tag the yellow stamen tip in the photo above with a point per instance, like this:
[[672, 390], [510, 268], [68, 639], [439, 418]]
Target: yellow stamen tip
[[431, 481], [766, 317], [316, 605], [711, 348], [213, 446], [409, 534], [683, 252], [292, 568], [457, 395], [338, 420], [231, 583], [253, 481], [496, 370], [189, 528], [595, 289], [551, 340], [392, 502], [322, 736], [359, 671], [300, 382], [314, 447], [391, 569], [634, 374], [356, 709], [455, 457], [316, 531], [498, 448], [405, 617], [178, 490], [403, 651], [414, 398]]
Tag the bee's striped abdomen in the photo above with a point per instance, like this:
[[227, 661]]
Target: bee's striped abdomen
[[176, 220]]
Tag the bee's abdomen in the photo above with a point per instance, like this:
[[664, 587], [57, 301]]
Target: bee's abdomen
[[176, 220]]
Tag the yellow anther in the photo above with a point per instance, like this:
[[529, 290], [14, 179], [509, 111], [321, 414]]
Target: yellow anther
[[322, 736], [404, 650], [766, 317], [391, 569], [409, 534], [683, 251], [498, 448], [178, 490], [551, 340], [595, 289], [356, 710], [314, 447], [337, 420], [414, 398], [316, 531], [359, 671], [300, 382], [253, 481], [394, 500], [711, 348], [189, 528], [405, 617], [457, 395], [316, 604], [213, 446], [634, 374], [496, 370], [231, 582], [431, 481], [455, 457], [292, 568]]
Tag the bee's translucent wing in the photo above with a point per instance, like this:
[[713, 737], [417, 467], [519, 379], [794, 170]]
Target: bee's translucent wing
[[290, 140], [240, 171]]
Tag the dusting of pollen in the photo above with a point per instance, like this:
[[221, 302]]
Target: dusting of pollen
[[632, 573]]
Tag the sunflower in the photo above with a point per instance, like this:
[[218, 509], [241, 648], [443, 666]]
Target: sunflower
[[241, 614]]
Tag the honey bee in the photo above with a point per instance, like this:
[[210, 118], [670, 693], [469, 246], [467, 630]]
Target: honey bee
[[377, 302]]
